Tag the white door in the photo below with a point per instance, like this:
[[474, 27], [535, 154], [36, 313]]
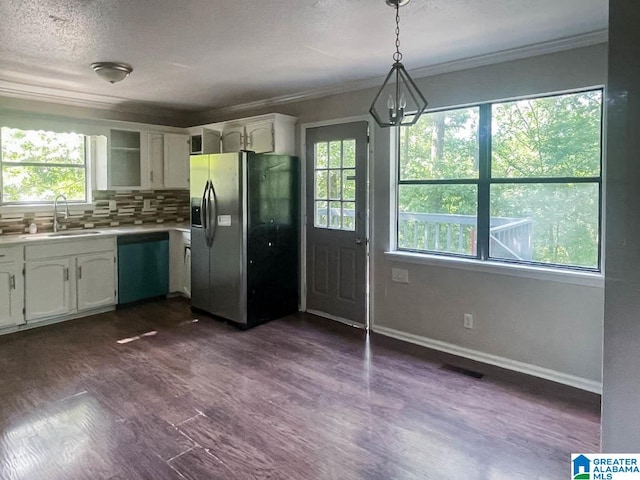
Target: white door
[[48, 290], [96, 280], [233, 139], [176, 160], [260, 137], [336, 257], [11, 294]]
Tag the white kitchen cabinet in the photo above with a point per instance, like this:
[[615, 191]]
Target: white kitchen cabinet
[[59, 284], [272, 133], [167, 160], [233, 138], [186, 284], [48, 288], [180, 262], [255, 136], [204, 141], [11, 294], [96, 282], [259, 136], [125, 167], [176, 160], [155, 151]]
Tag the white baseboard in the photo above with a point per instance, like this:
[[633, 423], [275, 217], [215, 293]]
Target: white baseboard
[[507, 363]]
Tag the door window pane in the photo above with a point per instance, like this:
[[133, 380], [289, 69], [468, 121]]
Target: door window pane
[[335, 185]]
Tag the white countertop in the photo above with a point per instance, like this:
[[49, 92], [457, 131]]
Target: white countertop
[[81, 234]]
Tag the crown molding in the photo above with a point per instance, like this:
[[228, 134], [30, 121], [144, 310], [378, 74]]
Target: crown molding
[[110, 103], [544, 48], [86, 100]]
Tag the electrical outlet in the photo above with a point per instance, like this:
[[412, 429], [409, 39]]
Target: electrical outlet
[[468, 320], [400, 275]]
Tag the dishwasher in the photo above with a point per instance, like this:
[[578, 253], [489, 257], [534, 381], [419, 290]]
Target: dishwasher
[[143, 266]]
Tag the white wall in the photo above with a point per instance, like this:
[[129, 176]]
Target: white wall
[[546, 325]]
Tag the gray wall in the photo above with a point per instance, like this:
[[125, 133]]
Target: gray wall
[[548, 324], [621, 398]]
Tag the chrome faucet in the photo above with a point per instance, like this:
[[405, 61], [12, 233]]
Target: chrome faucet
[[55, 211]]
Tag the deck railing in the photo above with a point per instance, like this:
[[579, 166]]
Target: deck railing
[[509, 238]]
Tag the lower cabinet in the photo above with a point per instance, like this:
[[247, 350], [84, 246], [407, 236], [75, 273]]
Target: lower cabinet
[[48, 292], [186, 284], [69, 284], [11, 294], [180, 263], [96, 281]]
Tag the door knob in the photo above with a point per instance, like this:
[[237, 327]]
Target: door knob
[[358, 241]]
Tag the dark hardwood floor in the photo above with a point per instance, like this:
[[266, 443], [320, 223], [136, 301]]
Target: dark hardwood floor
[[298, 398]]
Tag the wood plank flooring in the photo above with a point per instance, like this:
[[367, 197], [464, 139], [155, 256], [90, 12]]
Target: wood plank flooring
[[297, 398]]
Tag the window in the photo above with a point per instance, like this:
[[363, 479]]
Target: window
[[335, 185], [36, 166], [516, 181]]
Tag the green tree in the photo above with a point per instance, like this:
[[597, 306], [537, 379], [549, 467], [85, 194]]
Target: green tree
[[38, 165], [556, 137]]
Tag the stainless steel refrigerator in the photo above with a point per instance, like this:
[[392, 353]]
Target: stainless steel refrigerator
[[244, 236]]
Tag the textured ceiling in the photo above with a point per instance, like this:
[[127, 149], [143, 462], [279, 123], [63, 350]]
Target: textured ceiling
[[196, 55]]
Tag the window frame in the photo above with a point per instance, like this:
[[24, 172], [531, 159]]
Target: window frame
[[484, 181], [85, 166]]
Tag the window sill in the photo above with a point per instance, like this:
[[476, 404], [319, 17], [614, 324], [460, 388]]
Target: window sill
[[587, 279]]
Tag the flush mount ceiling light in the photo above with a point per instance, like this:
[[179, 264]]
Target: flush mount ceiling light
[[112, 72], [399, 102]]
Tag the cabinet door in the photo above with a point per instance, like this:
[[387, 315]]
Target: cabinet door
[[125, 160], [233, 139], [96, 280], [155, 146], [176, 248], [48, 291], [260, 137], [11, 294], [186, 268], [176, 160]]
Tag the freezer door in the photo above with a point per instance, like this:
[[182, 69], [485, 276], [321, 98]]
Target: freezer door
[[200, 261], [227, 258], [199, 176]]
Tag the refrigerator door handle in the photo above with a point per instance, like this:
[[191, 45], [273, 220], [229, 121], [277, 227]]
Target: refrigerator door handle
[[214, 208], [203, 207]]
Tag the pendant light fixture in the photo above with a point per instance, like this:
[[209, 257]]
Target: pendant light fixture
[[399, 102]]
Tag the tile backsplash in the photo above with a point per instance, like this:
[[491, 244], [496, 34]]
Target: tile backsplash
[[109, 209]]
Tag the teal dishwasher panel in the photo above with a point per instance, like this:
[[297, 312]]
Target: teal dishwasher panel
[[143, 266]]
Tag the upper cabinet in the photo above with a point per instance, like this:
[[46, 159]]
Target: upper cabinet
[[273, 133], [176, 160], [125, 164], [134, 160], [204, 141]]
